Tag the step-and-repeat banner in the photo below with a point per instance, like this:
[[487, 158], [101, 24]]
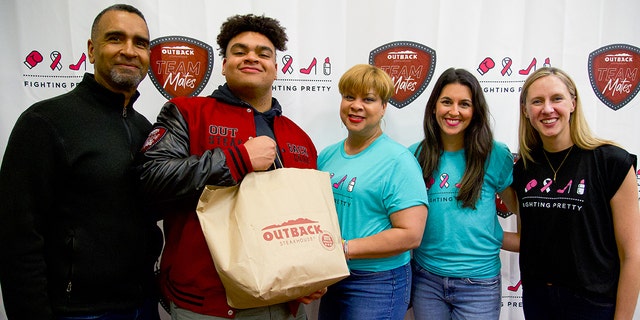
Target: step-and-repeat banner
[[501, 41]]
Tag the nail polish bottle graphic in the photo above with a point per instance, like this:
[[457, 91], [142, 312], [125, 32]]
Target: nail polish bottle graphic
[[326, 67], [352, 183], [581, 187]]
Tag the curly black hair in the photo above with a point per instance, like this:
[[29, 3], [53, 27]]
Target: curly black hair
[[266, 26]]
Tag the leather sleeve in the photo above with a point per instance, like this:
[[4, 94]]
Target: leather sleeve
[[167, 169]]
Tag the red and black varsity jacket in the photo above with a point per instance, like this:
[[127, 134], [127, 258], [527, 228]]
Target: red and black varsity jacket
[[198, 141]]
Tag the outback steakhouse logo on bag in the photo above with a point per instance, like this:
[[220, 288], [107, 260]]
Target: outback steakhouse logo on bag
[[410, 66], [298, 231], [180, 66], [270, 247], [613, 72]]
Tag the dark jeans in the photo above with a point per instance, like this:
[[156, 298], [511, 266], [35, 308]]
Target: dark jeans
[[554, 302], [147, 311]]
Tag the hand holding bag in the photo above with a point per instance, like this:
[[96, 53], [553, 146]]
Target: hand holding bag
[[275, 237]]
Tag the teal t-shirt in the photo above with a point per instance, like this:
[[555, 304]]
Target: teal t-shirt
[[461, 242], [368, 187]]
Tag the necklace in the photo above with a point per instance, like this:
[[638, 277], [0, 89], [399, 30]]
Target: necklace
[[555, 171]]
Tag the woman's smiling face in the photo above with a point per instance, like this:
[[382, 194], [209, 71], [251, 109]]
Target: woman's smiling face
[[362, 114], [454, 110], [548, 106]]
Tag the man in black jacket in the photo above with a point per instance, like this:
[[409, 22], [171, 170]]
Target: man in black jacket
[[74, 240]]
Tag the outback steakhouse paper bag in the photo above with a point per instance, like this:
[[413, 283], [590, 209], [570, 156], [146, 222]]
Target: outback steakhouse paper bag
[[275, 237]]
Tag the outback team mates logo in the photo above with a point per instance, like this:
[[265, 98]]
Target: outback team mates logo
[[410, 66], [180, 66], [501, 208], [298, 231], [613, 72]]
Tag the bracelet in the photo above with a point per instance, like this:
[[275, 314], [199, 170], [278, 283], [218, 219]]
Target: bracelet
[[345, 249]]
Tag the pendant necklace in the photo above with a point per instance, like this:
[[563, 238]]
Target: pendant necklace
[[555, 171]]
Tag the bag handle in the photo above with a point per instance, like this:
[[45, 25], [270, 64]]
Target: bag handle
[[275, 166]]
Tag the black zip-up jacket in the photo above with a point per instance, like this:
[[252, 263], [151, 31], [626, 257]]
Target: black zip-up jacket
[[74, 238]]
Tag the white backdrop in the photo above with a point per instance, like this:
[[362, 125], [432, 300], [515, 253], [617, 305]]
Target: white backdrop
[[515, 35]]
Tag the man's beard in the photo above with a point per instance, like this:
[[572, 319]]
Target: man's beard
[[126, 80]]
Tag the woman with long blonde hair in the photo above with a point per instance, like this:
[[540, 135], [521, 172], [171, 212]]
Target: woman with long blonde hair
[[578, 207]]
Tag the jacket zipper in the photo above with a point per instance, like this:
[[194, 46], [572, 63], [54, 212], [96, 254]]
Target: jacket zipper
[[132, 152], [70, 281]]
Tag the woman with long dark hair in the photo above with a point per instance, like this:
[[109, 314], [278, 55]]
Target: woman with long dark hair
[[464, 169]]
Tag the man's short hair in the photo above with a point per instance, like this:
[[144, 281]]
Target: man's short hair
[[115, 7]]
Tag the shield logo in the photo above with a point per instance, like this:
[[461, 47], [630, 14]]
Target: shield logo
[[410, 66], [501, 209], [180, 66], [613, 72]]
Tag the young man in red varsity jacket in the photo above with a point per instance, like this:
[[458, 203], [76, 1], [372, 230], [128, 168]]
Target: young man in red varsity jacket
[[217, 140]]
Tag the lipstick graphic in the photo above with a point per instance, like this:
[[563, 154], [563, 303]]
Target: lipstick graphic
[[581, 187], [326, 67], [352, 183]]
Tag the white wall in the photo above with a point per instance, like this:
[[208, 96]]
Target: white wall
[[463, 33]]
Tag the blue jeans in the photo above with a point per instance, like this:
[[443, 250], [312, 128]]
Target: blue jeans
[[554, 302], [368, 295], [436, 297], [147, 311]]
